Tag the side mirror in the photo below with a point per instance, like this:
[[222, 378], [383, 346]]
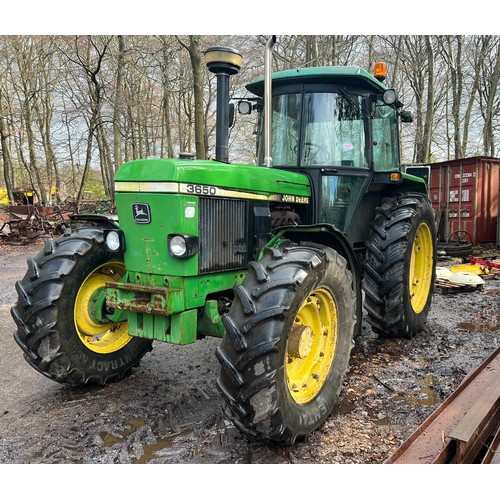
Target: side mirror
[[406, 116]]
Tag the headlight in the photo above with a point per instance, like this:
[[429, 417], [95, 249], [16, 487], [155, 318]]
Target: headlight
[[178, 246], [182, 246], [113, 241]]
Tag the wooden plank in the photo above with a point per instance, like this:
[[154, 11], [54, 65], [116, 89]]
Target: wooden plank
[[445, 287]]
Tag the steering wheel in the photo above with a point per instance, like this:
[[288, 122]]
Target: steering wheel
[[316, 154]]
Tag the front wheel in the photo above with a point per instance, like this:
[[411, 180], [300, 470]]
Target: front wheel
[[400, 266], [63, 326], [288, 342]]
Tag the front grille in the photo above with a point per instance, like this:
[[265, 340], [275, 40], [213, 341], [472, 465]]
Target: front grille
[[223, 234]]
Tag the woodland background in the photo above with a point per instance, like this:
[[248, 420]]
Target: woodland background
[[74, 108]]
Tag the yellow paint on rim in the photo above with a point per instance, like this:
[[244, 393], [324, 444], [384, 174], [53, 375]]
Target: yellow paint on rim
[[311, 346], [103, 338], [421, 264]]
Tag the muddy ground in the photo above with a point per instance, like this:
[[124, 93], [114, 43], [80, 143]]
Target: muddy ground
[[169, 412]]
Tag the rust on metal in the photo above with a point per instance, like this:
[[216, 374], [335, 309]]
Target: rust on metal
[[462, 425], [137, 298]]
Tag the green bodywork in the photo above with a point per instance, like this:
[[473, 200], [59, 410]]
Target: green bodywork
[[164, 296]]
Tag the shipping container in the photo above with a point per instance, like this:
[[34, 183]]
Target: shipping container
[[465, 195]]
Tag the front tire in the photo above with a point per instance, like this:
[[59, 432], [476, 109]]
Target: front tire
[[400, 266], [60, 314], [288, 342]]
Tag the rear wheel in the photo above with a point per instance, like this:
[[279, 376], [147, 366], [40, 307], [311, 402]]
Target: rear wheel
[[400, 266], [64, 328], [288, 342]]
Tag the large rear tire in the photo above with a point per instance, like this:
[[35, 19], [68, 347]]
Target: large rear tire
[[288, 342], [400, 266], [62, 325]]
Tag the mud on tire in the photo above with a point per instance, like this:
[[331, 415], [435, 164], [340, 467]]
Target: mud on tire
[[45, 313], [400, 266], [295, 309]]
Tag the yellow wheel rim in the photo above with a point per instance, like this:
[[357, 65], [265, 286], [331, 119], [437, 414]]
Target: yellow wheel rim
[[311, 346], [100, 337], [421, 265]]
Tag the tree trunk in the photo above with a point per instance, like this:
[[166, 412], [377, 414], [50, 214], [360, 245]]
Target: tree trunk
[[489, 111], [118, 104], [429, 114], [200, 138], [311, 50], [7, 161], [480, 55]]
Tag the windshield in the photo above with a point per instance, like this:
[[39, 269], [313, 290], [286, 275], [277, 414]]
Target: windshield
[[333, 130]]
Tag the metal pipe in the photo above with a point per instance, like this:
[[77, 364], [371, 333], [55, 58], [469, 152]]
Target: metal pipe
[[224, 62], [222, 124], [268, 160]]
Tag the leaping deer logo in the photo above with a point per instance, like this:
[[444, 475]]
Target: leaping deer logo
[[141, 213]]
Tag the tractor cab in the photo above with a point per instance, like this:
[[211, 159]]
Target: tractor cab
[[339, 126]]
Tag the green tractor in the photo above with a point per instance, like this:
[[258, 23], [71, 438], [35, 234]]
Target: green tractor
[[276, 259]]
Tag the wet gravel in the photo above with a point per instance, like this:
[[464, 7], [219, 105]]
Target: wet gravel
[[169, 412]]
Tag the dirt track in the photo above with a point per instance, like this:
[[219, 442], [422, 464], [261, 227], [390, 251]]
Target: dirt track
[[168, 410]]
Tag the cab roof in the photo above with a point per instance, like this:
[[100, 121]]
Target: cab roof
[[341, 75]]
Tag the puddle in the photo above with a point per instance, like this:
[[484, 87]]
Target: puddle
[[481, 324], [120, 436], [426, 395], [160, 448], [344, 407], [422, 395]]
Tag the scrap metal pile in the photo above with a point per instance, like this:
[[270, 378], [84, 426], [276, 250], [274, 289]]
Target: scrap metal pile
[[22, 224]]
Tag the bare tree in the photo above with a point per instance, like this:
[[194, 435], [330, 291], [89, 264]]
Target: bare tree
[[200, 136], [69, 104], [88, 53], [489, 100], [118, 103]]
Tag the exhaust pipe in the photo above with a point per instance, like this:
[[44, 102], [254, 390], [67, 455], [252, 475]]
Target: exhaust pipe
[[268, 160], [224, 62]]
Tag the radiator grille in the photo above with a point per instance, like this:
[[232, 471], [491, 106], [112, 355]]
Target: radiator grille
[[223, 233]]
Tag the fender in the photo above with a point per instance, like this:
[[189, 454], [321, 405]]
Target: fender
[[329, 235], [109, 220], [324, 234]]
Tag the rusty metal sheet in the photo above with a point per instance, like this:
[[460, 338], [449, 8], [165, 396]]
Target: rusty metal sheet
[[474, 429], [432, 441]]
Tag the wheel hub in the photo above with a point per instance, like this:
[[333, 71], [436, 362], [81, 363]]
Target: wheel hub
[[312, 342], [421, 265], [99, 333], [300, 341]]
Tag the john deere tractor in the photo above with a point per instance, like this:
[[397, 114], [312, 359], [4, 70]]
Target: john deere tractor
[[276, 259]]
